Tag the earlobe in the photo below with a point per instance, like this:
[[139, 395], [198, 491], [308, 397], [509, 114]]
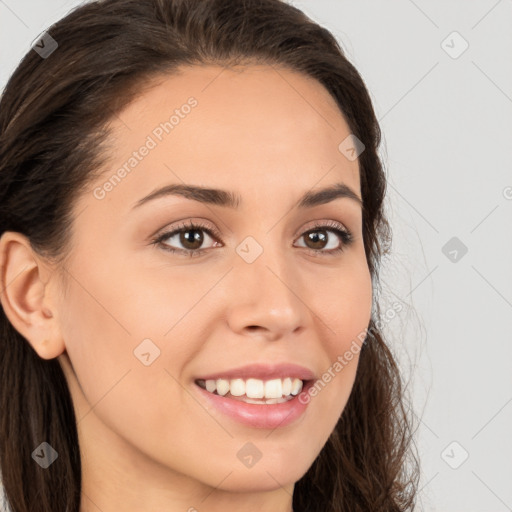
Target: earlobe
[[26, 295]]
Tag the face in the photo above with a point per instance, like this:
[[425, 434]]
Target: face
[[269, 287]]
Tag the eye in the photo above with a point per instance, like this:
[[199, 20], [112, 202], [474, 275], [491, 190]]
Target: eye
[[318, 237], [189, 235], [191, 238]]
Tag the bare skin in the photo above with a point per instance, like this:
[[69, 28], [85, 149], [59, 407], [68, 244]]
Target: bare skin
[[149, 441]]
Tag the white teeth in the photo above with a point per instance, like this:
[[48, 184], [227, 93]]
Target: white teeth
[[254, 388], [287, 386], [296, 386], [273, 388], [237, 387], [272, 391], [222, 386]]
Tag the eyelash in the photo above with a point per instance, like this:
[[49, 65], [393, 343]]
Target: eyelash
[[344, 234]]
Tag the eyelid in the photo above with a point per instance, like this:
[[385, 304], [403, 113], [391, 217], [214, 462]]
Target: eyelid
[[194, 224], [322, 224], [198, 222]]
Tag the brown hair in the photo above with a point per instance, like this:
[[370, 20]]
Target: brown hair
[[53, 117]]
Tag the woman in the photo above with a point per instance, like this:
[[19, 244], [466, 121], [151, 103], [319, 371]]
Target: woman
[[192, 223]]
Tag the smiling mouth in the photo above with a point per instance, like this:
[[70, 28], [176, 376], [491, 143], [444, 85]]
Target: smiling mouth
[[255, 391]]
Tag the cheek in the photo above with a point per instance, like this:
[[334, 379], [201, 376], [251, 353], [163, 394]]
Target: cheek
[[126, 333], [102, 328], [104, 319], [98, 343], [344, 306], [343, 301]]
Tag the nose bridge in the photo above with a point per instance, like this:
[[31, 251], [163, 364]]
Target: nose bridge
[[263, 260], [265, 283]]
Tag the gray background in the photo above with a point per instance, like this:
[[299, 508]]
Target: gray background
[[447, 126]]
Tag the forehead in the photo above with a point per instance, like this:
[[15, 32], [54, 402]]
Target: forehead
[[253, 127]]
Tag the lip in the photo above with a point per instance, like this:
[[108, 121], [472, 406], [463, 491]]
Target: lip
[[263, 372], [264, 416]]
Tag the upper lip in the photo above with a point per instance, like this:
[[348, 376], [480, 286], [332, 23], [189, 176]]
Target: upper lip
[[263, 372]]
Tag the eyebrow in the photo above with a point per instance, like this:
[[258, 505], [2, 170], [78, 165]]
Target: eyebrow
[[229, 199]]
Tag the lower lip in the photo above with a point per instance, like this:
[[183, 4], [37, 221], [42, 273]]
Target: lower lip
[[268, 416]]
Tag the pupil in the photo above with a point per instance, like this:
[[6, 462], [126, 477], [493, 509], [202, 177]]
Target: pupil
[[315, 236], [197, 237]]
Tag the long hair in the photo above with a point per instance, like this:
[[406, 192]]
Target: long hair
[[54, 114]]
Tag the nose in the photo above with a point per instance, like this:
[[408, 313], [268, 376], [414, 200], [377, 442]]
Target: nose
[[265, 297]]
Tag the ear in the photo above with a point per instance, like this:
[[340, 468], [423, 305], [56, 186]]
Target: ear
[[28, 296]]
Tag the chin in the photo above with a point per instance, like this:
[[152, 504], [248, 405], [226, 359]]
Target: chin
[[262, 476]]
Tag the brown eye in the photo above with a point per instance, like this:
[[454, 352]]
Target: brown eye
[[318, 238], [189, 239]]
